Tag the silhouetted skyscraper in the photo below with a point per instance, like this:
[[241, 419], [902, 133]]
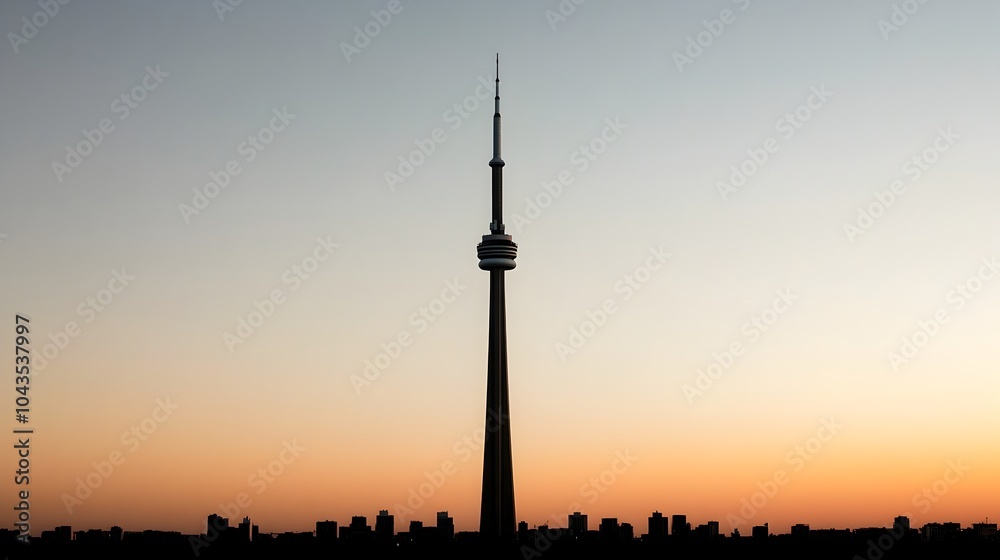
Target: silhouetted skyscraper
[[360, 530], [445, 526], [326, 530], [496, 254], [681, 528], [657, 529], [385, 526], [577, 524]]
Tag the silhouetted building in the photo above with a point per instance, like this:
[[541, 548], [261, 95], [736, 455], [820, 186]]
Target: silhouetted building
[[522, 531], [838, 536], [361, 531], [577, 524], [759, 532], [93, 536], [865, 534], [626, 532], [542, 536], [496, 253], [902, 522], [713, 529], [681, 529], [216, 524], [217, 530], [245, 532], [385, 527], [445, 526], [61, 534], [326, 530], [707, 531], [936, 532], [422, 534], [293, 540], [800, 531], [657, 526], [984, 531], [116, 534], [609, 529]]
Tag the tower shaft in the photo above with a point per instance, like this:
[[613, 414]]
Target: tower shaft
[[496, 519]]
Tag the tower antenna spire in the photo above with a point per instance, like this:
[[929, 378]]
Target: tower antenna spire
[[496, 112], [496, 226]]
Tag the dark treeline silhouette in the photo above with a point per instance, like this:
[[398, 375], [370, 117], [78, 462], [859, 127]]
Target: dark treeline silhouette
[[665, 537]]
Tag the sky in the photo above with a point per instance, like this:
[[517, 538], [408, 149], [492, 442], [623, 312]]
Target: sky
[[757, 271]]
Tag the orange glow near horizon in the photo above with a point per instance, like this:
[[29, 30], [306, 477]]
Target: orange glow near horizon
[[290, 487]]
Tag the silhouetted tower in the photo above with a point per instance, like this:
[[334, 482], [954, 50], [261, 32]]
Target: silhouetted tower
[[385, 526], [496, 254], [657, 526]]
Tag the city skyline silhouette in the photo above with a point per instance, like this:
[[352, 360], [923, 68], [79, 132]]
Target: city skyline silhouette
[[666, 534], [756, 283]]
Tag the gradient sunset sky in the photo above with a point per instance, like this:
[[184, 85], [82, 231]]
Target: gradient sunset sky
[[864, 219]]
